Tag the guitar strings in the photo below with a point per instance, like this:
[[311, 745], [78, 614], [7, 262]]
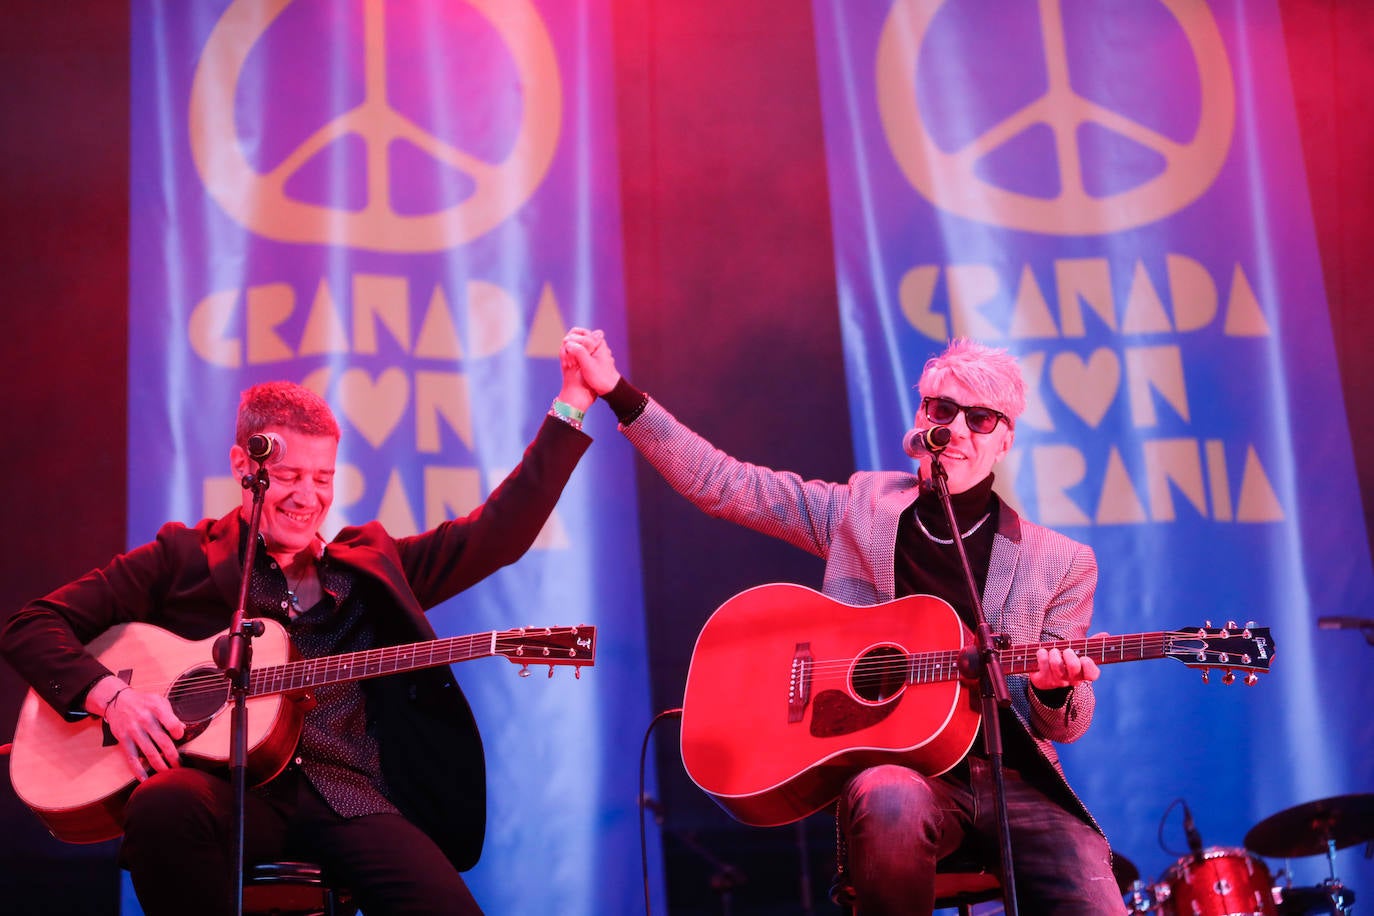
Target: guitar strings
[[935, 665], [306, 672]]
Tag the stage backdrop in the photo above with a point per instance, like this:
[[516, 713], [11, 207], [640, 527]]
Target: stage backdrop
[[1116, 193], [404, 206]]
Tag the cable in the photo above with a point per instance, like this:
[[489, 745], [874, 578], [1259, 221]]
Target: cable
[[643, 834], [1163, 819]]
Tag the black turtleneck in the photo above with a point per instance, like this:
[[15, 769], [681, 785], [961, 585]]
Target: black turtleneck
[[926, 561]]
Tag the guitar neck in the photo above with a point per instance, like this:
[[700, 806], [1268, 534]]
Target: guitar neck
[[1105, 650], [354, 666], [1229, 648]]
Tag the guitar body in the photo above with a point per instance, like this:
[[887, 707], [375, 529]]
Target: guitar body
[[790, 693], [74, 776]]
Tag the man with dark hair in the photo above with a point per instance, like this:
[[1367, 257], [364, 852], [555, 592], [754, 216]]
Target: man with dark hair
[[386, 788], [884, 535]]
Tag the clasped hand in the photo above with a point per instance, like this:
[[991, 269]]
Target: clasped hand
[[588, 353]]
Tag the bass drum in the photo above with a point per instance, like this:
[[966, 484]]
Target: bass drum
[[1222, 882]]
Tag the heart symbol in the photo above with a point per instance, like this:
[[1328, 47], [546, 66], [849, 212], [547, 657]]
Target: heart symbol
[[1090, 388], [374, 409]]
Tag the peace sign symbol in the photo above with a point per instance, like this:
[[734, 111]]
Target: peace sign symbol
[[259, 200], [951, 182]]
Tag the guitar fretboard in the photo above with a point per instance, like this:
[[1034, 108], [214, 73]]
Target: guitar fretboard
[[944, 665], [353, 666]]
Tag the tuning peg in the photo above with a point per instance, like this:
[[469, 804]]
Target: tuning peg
[[1206, 675], [550, 670], [1207, 624], [577, 673], [1251, 679], [1229, 677], [524, 670]]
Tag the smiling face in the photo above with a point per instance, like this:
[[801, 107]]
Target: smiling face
[[299, 494], [969, 456]]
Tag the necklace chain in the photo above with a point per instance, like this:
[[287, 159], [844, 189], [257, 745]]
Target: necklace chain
[[292, 589], [964, 536]]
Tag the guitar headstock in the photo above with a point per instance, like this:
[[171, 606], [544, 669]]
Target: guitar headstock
[[550, 646], [1229, 648]]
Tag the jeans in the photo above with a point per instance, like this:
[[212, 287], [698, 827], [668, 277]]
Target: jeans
[[898, 824], [178, 848]]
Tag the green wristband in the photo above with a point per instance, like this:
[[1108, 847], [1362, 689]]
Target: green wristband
[[567, 413]]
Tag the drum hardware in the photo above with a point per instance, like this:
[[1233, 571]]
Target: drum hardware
[[1141, 897], [1310, 829], [1327, 897]]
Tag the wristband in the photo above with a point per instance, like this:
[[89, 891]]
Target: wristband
[[110, 705], [567, 413]]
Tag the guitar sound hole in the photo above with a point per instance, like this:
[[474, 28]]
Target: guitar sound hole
[[879, 674], [197, 696]]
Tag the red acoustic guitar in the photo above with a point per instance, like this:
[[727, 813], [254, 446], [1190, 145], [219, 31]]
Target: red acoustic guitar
[[790, 693], [76, 779]]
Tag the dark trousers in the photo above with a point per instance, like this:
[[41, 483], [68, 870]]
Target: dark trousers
[[898, 824], [178, 848]]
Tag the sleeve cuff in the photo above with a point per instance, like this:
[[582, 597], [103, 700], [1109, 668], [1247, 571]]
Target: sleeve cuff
[[1052, 699], [627, 401]]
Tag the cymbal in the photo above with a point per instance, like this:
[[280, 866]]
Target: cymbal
[[1304, 830], [1124, 871]]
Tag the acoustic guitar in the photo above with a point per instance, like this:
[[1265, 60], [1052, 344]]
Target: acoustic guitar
[[76, 779], [790, 693]]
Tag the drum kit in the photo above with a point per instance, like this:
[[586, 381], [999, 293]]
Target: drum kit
[[1221, 881]]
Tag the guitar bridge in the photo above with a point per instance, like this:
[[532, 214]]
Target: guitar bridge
[[799, 683]]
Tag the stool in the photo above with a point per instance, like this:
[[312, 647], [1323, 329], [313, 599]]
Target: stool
[[953, 889], [292, 889], [963, 889]]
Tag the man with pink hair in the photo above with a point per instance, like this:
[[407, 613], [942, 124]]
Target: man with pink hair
[[884, 535]]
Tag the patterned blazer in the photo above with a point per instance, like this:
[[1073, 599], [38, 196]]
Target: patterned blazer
[[1039, 586]]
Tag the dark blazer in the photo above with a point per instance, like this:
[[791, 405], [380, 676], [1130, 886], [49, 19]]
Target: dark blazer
[[187, 581]]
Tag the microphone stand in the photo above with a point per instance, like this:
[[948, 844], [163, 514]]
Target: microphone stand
[[237, 661], [984, 664]]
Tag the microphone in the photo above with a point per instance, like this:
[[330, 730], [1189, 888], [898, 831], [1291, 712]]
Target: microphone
[[1190, 829], [264, 447], [1345, 623], [931, 441]]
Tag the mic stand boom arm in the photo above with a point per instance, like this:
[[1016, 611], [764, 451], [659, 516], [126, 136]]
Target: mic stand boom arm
[[986, 666]]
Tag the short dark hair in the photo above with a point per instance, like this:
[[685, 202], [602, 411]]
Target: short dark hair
[[284, 404]]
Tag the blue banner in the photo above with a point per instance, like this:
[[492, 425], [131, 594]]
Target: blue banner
[[404, 206], [1115, 192]]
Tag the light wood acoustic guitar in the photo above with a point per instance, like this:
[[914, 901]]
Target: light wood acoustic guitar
[[790, 693], [76, 779]]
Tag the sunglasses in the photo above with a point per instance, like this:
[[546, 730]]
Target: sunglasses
[[942, 412]]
